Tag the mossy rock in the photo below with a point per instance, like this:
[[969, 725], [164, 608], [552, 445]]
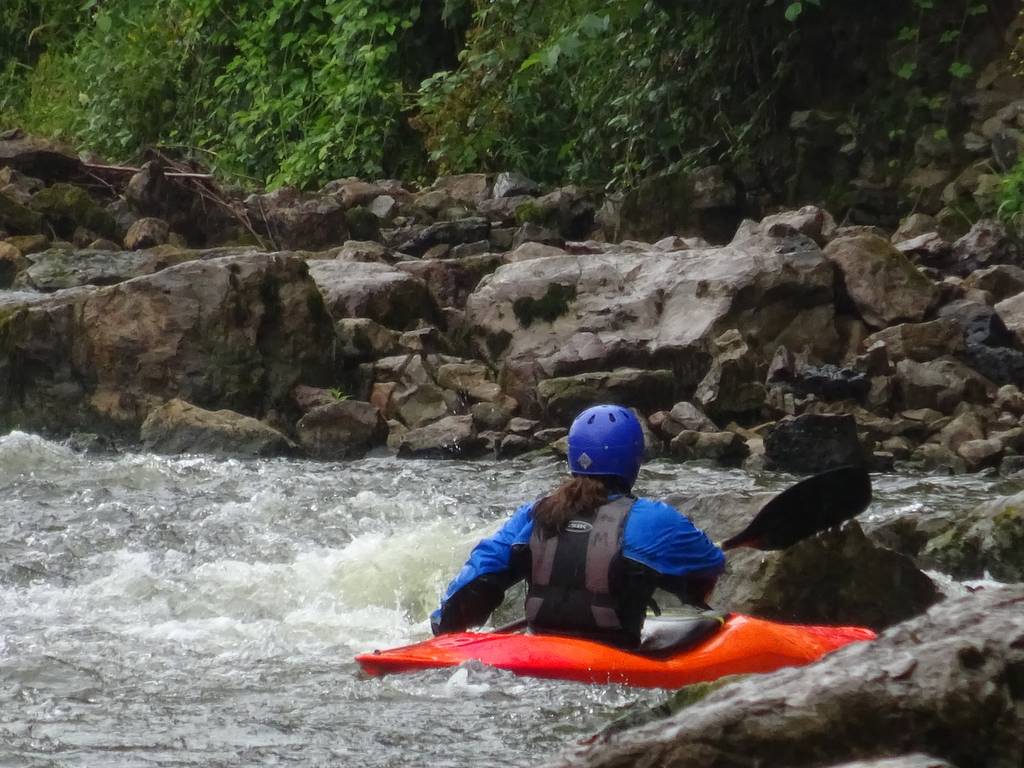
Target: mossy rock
[[66, 207], [530, 213], [16, 218]]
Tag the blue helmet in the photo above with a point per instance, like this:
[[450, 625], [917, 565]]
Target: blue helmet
[[606, 440]]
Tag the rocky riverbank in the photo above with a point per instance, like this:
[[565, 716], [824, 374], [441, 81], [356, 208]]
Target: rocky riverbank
[[477, 316]]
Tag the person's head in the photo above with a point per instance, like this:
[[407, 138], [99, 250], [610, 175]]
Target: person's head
[[607, 441], [606, 448]]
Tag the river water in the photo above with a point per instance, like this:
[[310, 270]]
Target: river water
[[160, 611]]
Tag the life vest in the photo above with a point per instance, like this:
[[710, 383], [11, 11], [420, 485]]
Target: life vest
[[569, 587]]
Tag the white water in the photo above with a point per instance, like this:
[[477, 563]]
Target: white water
[[190, 612]]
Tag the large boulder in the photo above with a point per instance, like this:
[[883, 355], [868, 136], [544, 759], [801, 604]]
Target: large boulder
[[564, 315], [57, 268], [837, 577], [813, 443], [451, 281], [341, 429], [453, 437], [730, 388], [986, 540], [233, 332], [940, 384], [947, 684], [41, 158], [379, 292], [882, 283], [294, 221], [563, 398], [180, 427]]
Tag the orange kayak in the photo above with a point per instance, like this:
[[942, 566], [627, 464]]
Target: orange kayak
[[742, 645]]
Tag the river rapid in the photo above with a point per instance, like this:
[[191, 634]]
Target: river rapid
[[169, 611]]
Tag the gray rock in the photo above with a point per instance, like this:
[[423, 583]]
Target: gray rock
[[730, 388], [988, 539], [361, 338], [882, 283], [945, 684], [232, 332], [855, 581], [12, 261], [686, 415], [816, 223], [917, 760], [987, 243], [293, 221], [1010, 314], [512, 184], [564, 315], [930, 250], [940, 384], [1002, 281], [813, 443], [920, 341], [341, 429], [417, 405], [146, 233], [451, 281], [451, 437], [914, 225], [726, 448], [981, 323], [41, 158], [180, 427], [470, 188], [379, 292], [563, 398], [465, 230], [490, 416]]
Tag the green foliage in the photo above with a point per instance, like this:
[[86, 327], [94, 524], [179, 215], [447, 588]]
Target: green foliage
[[596, 91], [1011, 202], [593, 91], [291, 91]]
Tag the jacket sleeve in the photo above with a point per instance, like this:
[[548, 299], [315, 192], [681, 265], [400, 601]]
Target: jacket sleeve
[[686, 561], [480, 586]]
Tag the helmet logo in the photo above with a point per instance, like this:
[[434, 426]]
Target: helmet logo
[[578, 526], [584, 461]]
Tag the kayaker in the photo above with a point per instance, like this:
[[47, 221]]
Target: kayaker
[[592, 553]]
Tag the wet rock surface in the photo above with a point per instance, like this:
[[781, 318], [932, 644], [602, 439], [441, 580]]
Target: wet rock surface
[[946, 684]]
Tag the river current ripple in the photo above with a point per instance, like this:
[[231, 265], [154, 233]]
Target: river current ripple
[[169, 611]]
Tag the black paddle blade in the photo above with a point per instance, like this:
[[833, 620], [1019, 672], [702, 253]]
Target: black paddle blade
[[807, 508]]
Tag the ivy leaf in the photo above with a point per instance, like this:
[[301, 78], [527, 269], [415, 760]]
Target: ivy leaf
[[976, 9], [949, 35], [906, 34], [960, 70], [550, 56], [593, 25], [906, 71], [793, 11]]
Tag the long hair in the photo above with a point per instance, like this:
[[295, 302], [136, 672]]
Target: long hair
[[578, 495]]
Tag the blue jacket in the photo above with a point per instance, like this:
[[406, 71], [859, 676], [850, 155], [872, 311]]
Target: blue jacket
[[656, 535]]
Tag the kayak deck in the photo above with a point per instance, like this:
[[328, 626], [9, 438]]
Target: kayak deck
[[744, 644]]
